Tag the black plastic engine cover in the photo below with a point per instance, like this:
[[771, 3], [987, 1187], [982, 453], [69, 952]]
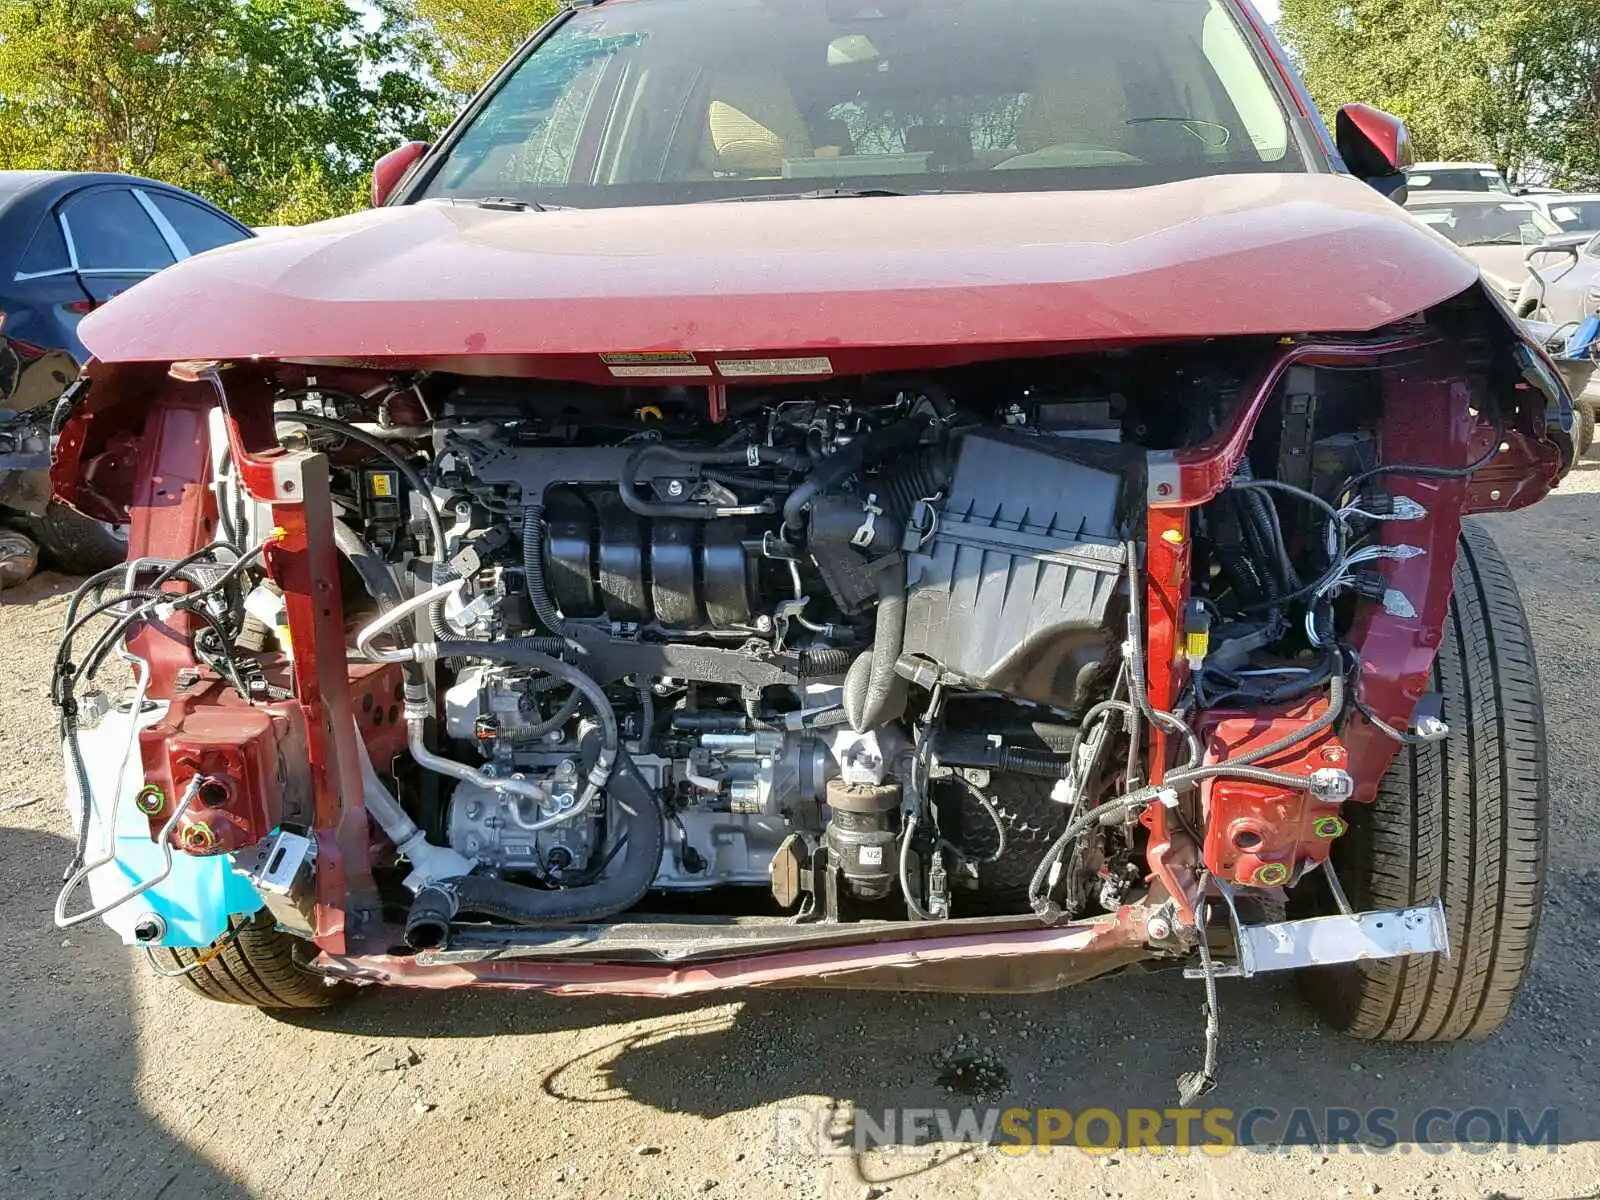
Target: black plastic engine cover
[[1011, 591], [601, 559]]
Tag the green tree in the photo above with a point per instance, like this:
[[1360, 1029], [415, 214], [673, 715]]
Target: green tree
[[1513, 82], [264, 106], [476, 36]]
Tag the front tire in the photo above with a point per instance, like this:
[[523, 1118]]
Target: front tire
[[1583, 427], [257, 964], [1463, 820]]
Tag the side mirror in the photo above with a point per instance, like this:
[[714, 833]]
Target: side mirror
[[1564, 243], [389, 170], [1375, 146]]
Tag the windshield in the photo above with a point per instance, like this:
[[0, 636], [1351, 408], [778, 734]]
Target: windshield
[[1457, 179], [1575, 216], [667, 101], [1508, 224]]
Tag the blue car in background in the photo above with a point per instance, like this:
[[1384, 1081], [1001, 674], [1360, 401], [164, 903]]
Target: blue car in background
[[68, 243]]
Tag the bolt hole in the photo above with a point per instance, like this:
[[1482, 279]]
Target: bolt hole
[[288, 486], [366, 703], [213, 794], [1247, 839]]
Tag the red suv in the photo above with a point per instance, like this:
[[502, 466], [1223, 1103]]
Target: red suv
[[963, 494]]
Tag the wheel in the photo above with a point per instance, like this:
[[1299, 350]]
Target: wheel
[[1463, 820], [257, 964], [75, 543], [19, 558], [1583, 426]]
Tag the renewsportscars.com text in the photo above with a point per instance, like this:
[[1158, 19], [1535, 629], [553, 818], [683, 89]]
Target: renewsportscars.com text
[[1217, 1131]]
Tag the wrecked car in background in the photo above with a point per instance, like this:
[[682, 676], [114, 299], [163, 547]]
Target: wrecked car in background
[[70, 241], [829, 495]]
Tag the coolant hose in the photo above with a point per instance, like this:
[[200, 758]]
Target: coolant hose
[[375, 577], [872, 684], [640, 831], [375, 574]]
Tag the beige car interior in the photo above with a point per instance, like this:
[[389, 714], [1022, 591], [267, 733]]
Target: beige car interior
[[753, 123]]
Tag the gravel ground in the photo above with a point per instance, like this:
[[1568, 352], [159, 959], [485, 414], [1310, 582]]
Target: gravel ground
[[114, 1083]]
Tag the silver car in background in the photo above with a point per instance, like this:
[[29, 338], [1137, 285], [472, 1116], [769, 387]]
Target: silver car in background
[[1495, 230]]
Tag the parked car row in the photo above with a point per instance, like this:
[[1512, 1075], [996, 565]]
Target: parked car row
[[69, 242], [1538, 249]]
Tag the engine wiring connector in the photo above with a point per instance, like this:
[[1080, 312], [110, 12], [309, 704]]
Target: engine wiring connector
[[1381, 506], [1196, 634]]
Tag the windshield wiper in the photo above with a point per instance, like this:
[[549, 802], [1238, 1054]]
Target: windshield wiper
[[507, 204], [833, 193]]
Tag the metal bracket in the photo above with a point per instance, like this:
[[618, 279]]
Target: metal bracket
[[278, 869], [1345, 938], [284, 877]]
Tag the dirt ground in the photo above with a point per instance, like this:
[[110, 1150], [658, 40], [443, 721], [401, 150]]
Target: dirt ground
[[114, 1083]]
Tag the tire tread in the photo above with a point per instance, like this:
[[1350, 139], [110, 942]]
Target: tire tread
[[1463, 820], [255, 966]]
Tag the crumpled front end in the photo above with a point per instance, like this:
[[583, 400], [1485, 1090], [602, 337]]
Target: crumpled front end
[[997, 671]]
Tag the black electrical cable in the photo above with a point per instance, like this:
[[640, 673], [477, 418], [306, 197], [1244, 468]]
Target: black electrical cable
[[151, 595], [1401, 736], [1137, 687], [1422, 471], [1277, 485], [1194, 1084], [533, 571], [765, 455], [419, 486], [1320, 584]]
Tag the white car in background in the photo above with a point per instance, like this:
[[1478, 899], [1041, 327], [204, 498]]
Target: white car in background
[[1456, 177], [1495, 230], [1573, 212]]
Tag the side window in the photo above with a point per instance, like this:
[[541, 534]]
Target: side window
[[1592, 250], [112, 232], [200, 228], [47, 253]]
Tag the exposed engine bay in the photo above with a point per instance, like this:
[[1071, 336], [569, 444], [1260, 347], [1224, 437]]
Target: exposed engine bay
[[670, 673], [851, 653], [764, 598], [797, 616]]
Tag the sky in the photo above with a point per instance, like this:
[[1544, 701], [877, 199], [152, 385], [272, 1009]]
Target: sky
[[1268, 9]]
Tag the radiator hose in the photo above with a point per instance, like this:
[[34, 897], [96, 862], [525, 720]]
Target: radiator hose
[[872, 687], [637, 818]]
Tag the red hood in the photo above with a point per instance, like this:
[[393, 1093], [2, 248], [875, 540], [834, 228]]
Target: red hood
[[1249, 254]]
